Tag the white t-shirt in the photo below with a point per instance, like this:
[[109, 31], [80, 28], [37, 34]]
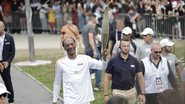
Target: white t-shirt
[[1, 45], [172, 59], [143, 51], [77, 87]]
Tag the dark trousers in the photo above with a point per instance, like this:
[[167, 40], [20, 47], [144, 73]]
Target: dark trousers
[[8, 83], [151, 98]]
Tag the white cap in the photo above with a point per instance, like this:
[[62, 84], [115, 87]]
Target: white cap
[[166, 42], [3, 89], [147, 31], [127, 30]]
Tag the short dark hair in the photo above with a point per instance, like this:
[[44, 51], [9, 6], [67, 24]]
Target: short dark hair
[[117, 100], [124, 39]]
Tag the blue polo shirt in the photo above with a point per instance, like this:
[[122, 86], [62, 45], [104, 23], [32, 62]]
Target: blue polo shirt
[[123, 71]]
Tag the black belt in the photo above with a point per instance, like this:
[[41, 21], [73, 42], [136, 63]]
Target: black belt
[[125, 88]]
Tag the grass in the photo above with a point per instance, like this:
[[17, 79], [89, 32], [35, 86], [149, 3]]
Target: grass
[[45, 74], [179, 50]]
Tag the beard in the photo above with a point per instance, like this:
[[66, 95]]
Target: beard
[[168, 50], [125, 52]]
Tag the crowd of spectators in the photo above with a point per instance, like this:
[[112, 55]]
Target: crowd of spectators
[[48, 15]]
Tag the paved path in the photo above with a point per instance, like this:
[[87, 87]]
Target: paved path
[[28, 90], [40, 41]]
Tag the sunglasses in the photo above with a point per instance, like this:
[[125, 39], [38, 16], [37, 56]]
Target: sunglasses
[[3, 95], [157, 52]]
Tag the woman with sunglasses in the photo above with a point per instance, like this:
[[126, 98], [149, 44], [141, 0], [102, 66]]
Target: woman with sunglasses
[[3, 94]]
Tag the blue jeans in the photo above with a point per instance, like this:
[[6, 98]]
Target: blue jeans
[[98, 73]]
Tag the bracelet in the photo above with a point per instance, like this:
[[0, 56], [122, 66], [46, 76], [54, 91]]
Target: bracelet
[[106, 95]]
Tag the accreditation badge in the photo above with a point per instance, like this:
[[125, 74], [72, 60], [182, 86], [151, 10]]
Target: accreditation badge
[[159, 84]]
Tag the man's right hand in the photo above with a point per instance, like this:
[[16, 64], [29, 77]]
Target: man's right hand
[[105, 55], [95, 54], [1, 67]]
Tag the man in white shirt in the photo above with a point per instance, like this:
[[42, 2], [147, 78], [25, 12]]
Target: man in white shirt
[[126, 33], [145, 49], [7, 53], [73, 71], [157, 74]]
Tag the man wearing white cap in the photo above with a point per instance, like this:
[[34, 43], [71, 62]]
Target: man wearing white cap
[[126, 33], [145, 49], [166, 45], [3, 94]]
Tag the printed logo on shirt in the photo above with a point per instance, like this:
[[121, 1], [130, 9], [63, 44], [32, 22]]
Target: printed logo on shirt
[[132, 66], [7, 43], [80, 64]]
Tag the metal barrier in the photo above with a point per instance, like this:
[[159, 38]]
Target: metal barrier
[[163, 26], [171, 26]]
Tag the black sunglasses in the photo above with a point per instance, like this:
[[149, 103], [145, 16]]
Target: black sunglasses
[[156, 52], [3, 95]]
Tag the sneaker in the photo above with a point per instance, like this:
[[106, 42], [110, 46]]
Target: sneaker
[[96, 89]]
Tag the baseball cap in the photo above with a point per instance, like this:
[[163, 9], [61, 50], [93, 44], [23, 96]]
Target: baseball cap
[[127, 30], [166, 42], [3, 89], [147, 31]]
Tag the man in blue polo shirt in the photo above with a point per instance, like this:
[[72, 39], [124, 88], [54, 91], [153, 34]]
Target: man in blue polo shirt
[[121, 69]]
